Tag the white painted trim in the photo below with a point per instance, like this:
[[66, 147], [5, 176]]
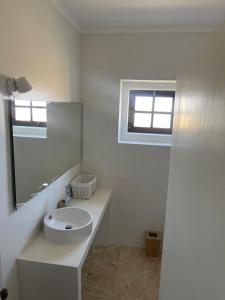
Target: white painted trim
[[125, 137], [147, 30]]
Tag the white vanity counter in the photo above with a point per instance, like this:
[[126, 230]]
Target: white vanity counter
[[40, 250], [53, 271]]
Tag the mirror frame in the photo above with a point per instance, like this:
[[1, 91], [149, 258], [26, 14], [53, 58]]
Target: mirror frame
[[11, 159]]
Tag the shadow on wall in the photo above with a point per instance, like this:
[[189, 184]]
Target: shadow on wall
[[3, 91]]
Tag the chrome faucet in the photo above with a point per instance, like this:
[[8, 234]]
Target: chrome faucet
[[68, 194]]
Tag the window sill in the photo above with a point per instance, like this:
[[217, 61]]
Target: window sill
[[146, 143], [30, 132], [160, 140]]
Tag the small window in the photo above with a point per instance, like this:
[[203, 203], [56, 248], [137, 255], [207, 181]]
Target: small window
[[151, 111], [29, 113], [146, 112]]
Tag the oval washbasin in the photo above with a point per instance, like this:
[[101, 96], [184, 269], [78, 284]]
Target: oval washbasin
[[67, 225]]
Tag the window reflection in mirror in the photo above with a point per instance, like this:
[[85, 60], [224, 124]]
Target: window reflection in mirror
[[29, 118]]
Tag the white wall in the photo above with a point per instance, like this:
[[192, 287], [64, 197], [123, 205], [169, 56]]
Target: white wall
[[193, 261], [36, 42], [137, 174]]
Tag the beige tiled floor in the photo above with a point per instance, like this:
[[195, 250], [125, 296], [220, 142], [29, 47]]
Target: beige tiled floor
[[120, 273]]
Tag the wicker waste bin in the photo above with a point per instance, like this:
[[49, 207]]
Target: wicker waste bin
[[83, 186], [152, 243]]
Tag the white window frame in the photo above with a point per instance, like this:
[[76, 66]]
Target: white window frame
[[125, 137]]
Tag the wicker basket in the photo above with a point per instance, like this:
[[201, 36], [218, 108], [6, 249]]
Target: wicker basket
[[83, 186]]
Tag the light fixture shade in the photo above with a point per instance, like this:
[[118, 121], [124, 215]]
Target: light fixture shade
[[20, 85], [23, 86]]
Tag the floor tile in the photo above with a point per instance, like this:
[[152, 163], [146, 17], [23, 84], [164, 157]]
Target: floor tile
[[120, 273]]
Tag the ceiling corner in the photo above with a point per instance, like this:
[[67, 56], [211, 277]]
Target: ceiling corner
[[64, 14]]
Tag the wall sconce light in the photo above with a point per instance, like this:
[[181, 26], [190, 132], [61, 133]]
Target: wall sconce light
[[20, 85]]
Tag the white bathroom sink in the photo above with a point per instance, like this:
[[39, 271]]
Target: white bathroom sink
[[67, 225]]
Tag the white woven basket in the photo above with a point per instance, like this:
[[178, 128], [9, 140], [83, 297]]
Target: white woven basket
[[83, 186]]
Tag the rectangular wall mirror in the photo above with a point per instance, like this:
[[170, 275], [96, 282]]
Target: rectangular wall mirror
[[45, 139]]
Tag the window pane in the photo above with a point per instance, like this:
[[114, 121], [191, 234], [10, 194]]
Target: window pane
[[22, 103], [39, 103], [22, 114], [39, 114], [162, 121], [142, 120], [164, 104], [143, 103]]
